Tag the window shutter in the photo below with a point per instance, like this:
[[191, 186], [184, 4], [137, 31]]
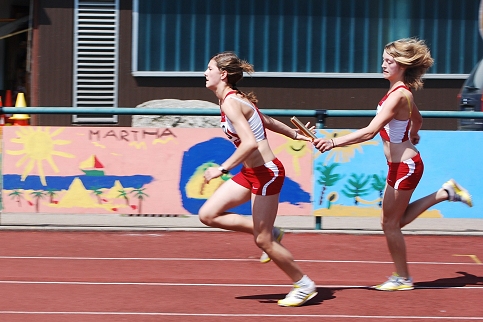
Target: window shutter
[[96, 51]]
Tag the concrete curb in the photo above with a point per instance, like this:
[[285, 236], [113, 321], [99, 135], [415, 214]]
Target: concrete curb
[[293, 224]]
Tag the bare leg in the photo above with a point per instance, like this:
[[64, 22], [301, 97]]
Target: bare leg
[[394, 201], [228, 195], [393, 208], [417, 207], [264, 212]]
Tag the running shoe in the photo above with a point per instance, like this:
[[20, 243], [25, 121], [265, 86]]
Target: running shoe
[[299, 295], [396, 283], [277, 235], [457, 192]]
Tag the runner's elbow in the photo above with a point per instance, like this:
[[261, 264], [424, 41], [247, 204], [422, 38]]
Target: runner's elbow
[[248, 147], [251, 145], [369, 134]]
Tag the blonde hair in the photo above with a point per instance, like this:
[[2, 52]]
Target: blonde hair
[[413, 54], [234, 66]]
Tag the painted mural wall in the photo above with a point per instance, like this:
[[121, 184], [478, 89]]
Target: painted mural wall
[[349, 181], [132, 170], [160, 171]]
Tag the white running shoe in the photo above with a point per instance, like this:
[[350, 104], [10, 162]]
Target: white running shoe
[[457, 192], [277, 235], [396, 283], [299, 295]]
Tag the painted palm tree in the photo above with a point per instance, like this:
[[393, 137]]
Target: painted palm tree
[[98, 192], [37, 195], [327, 178], [17, 195], [378, 184], [51, 193], [139, 193], [355, 187], [123, 194], [331, 198], [201, 169]]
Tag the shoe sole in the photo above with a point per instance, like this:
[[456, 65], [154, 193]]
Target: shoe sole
[[263, 261], [394, 289], [311, 296], [278, 240]]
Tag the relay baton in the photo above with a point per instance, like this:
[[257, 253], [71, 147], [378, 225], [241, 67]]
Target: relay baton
[[303, 128]]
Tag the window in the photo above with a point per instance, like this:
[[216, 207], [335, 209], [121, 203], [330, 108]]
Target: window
[[300, 38]]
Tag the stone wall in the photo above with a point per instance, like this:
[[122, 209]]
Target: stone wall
[[183, 121]]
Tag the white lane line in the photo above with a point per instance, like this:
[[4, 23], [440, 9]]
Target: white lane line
[[218, 284], [176, 259], [328, 316], [156, 284]]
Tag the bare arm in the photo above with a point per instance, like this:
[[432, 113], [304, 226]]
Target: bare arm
[[276, 126], [233, 110], [416, 124], [369, 132]]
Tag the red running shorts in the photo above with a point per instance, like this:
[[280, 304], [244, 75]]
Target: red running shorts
[[265, 180], [405, 175]]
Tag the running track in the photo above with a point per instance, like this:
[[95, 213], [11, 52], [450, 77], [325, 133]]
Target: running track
[[215, 276]]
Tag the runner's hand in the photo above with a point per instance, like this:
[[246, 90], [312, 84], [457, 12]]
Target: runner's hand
[[212, 173]]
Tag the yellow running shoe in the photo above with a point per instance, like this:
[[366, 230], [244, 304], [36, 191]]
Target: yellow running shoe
[[396, 283], [457, 192], [299, 295]]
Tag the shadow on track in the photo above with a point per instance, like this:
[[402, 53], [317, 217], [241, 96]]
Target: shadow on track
[[323, 294], [465, 279]]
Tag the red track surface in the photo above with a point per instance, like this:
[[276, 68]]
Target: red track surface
[[216, 276]]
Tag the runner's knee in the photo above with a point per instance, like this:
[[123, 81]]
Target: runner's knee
[[390, 225], [263, 241], [206, 217]]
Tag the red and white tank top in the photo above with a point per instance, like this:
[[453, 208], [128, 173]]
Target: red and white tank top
[[396, 131], [255, 122]]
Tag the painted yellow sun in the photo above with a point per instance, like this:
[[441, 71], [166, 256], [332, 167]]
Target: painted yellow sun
[[39, 145], [297, 149], [341, 154]]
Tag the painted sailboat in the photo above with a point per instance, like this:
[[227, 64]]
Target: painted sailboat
[[92, 166]]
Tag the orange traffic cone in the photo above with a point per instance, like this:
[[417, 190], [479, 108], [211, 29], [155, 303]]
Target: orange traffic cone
[[20, 119], [8, 103], [8, 98]]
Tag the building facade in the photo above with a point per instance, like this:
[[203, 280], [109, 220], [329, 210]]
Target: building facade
[[311, 54]]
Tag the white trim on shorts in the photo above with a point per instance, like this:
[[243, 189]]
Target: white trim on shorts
[[272, 166], [412, 166]]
